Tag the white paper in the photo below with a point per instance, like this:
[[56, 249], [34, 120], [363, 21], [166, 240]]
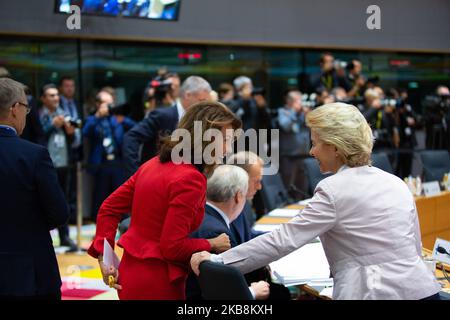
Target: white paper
[[110, 258], [284, 213], [304, 202], [303, 266], [431, 188], [266, 227], [327, 292]]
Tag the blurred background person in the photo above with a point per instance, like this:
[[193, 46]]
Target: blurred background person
[[60, 136], [326, 78], [226, 93], [105, 132], [294, 142]]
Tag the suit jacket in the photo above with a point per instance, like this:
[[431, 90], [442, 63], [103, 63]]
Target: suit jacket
[[167, 203], [242, 226], [370, 234], [32, 203], [212, 226], [93, 131], [161, 121]]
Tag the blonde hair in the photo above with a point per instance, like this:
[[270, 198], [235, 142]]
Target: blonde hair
[[343, 126]]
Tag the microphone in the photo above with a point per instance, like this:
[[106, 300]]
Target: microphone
[[442, 250]]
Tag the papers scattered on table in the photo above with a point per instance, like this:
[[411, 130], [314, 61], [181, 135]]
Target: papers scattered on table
[[304, 202], [266, 227], [110, 258], [284, 213], [327, 292], [303, 266]]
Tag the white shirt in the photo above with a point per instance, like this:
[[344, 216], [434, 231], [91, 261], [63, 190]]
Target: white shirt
[[180, 110], [367, 221]]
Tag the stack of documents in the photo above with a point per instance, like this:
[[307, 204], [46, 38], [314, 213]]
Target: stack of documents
[[307, 265], [284, 213]]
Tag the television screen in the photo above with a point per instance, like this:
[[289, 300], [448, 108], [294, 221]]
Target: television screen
[[148, 9]]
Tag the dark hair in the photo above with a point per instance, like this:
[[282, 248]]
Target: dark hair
[[323, 55], [64, 78], [212, 115], [46, 87]]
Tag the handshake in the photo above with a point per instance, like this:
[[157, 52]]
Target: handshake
[[221, 244]]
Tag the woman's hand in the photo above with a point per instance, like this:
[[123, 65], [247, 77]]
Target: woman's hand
[[110, 275], [260, 289], [220, 243]]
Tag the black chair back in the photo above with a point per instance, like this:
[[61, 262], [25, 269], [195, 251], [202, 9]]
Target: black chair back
[[273, 192], [221, 282], [436, 163], [381, 161]]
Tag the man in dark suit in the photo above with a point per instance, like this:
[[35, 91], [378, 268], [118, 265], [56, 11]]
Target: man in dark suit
[[32, 204], [242, 226], [160, 122], [226, 197]]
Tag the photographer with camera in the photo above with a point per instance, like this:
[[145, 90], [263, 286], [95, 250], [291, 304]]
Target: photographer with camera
[[61, 135], [250, 105], [436, 110], [105, 131], [326, 78], [381, 117], [294, 141], [355, 82]]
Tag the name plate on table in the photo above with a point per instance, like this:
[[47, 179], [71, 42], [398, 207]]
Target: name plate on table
[[431, 188]]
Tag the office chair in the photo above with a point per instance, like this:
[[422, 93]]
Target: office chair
[[436, 163], [273, 192], [381, 161], [313, 173], [221, 282]]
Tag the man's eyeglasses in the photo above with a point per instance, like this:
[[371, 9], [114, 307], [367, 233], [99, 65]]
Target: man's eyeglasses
[[27, 106]]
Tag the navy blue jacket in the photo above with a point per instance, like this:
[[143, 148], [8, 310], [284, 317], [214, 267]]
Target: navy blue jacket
[[32, 203], [93, 131], [242, 225], [161, 121], [213, 225]]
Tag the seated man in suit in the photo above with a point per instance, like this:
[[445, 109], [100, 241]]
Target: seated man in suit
[[226, 193], [242, 226], [32, 204]]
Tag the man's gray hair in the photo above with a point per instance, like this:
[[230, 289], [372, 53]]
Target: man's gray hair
[[10, 92], [239, 82], [194, 84], [225, 182], [245, 160]]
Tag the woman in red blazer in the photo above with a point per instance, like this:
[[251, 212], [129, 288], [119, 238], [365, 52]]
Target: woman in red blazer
[[166, 201]]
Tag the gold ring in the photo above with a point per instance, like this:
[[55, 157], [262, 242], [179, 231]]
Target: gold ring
[[111, 281]]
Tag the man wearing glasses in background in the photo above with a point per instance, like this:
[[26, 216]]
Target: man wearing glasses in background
[[32, 204]]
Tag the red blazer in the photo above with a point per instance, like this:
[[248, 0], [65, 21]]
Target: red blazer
[[167, 203]]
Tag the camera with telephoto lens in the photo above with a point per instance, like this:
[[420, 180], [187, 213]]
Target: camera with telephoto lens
[[73, 122], [437, 104]]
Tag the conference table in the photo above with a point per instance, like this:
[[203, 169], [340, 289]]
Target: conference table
[[434, 219]]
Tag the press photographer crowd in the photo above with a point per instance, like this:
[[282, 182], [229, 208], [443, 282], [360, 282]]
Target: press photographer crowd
[[113, 139]]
